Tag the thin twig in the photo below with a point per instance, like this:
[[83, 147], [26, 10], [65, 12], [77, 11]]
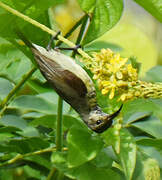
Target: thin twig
[[19, 157], [51, 173], [78, 23], [5, 101]]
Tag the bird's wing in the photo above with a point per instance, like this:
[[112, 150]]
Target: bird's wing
[[67, 63], [62, 80]]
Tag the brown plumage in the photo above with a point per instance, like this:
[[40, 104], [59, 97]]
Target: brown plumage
[[74, 85]]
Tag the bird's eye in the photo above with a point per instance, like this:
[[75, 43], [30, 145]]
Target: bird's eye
[[98, 122]]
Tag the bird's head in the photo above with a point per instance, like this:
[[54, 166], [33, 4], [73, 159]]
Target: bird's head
[[99, 121]]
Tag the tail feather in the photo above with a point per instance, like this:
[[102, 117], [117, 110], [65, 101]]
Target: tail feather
[[23, 38]]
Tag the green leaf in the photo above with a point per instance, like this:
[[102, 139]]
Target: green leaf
[[6, 20], [127, 153], [156, 143], [6, 174], [140, 105], [103, 159], [59, 160], [69, 121], [98, 45], [39, 77], [14, 121], [32, 115], [5, 136], [37, 86], [52, 97], [137, 116], [87, 171], [9, 20], [112, 138], [45, 103], [39, 5], [49, 121], [152, 147], [33, 174], [5, 87], [82, 146], [86, 5], [26, 145], [152, 169], [90, 172], [43, 161], [104, 15], [33, 103], [35, 166], [29, 132], [146, 168], [154, 74], [13, 63], [9, 129], [151, 125], [154, 7]]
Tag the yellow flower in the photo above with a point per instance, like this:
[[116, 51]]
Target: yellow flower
[[115, 76]]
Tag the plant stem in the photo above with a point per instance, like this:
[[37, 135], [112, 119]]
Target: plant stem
[[50, 175], [82, 29], [81, 32], [19, 157], [59, 113], [59, 125], [15, 89], [72, 29], [43, 27], [60, 101], [58, 136]]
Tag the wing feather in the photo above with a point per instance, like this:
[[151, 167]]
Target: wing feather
[[60, 77]]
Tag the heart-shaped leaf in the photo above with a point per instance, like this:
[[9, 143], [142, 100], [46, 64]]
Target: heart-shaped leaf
[[104, 15]]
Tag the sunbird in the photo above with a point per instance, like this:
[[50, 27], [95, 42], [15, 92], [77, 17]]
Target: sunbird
[[72, 84]]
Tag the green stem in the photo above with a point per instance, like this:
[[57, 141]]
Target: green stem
[[72, 29], [60, 102], [59, 125], [59, 112], [50, 175], [20, 157], [82, 32], [43, 27], [58, 138], [5, 101], [82, 29]]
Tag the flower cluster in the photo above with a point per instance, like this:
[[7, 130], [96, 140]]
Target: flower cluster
[[115, 76]]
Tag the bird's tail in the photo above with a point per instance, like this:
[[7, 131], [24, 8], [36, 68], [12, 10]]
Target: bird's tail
[[23, 38]]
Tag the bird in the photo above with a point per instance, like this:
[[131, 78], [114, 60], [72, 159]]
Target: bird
[[72, 83]]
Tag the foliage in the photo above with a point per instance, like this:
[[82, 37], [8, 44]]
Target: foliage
[[153, 7], [131, 149]]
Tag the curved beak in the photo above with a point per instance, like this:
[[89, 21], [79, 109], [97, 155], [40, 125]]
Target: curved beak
[[108, 121], [112, 116]]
